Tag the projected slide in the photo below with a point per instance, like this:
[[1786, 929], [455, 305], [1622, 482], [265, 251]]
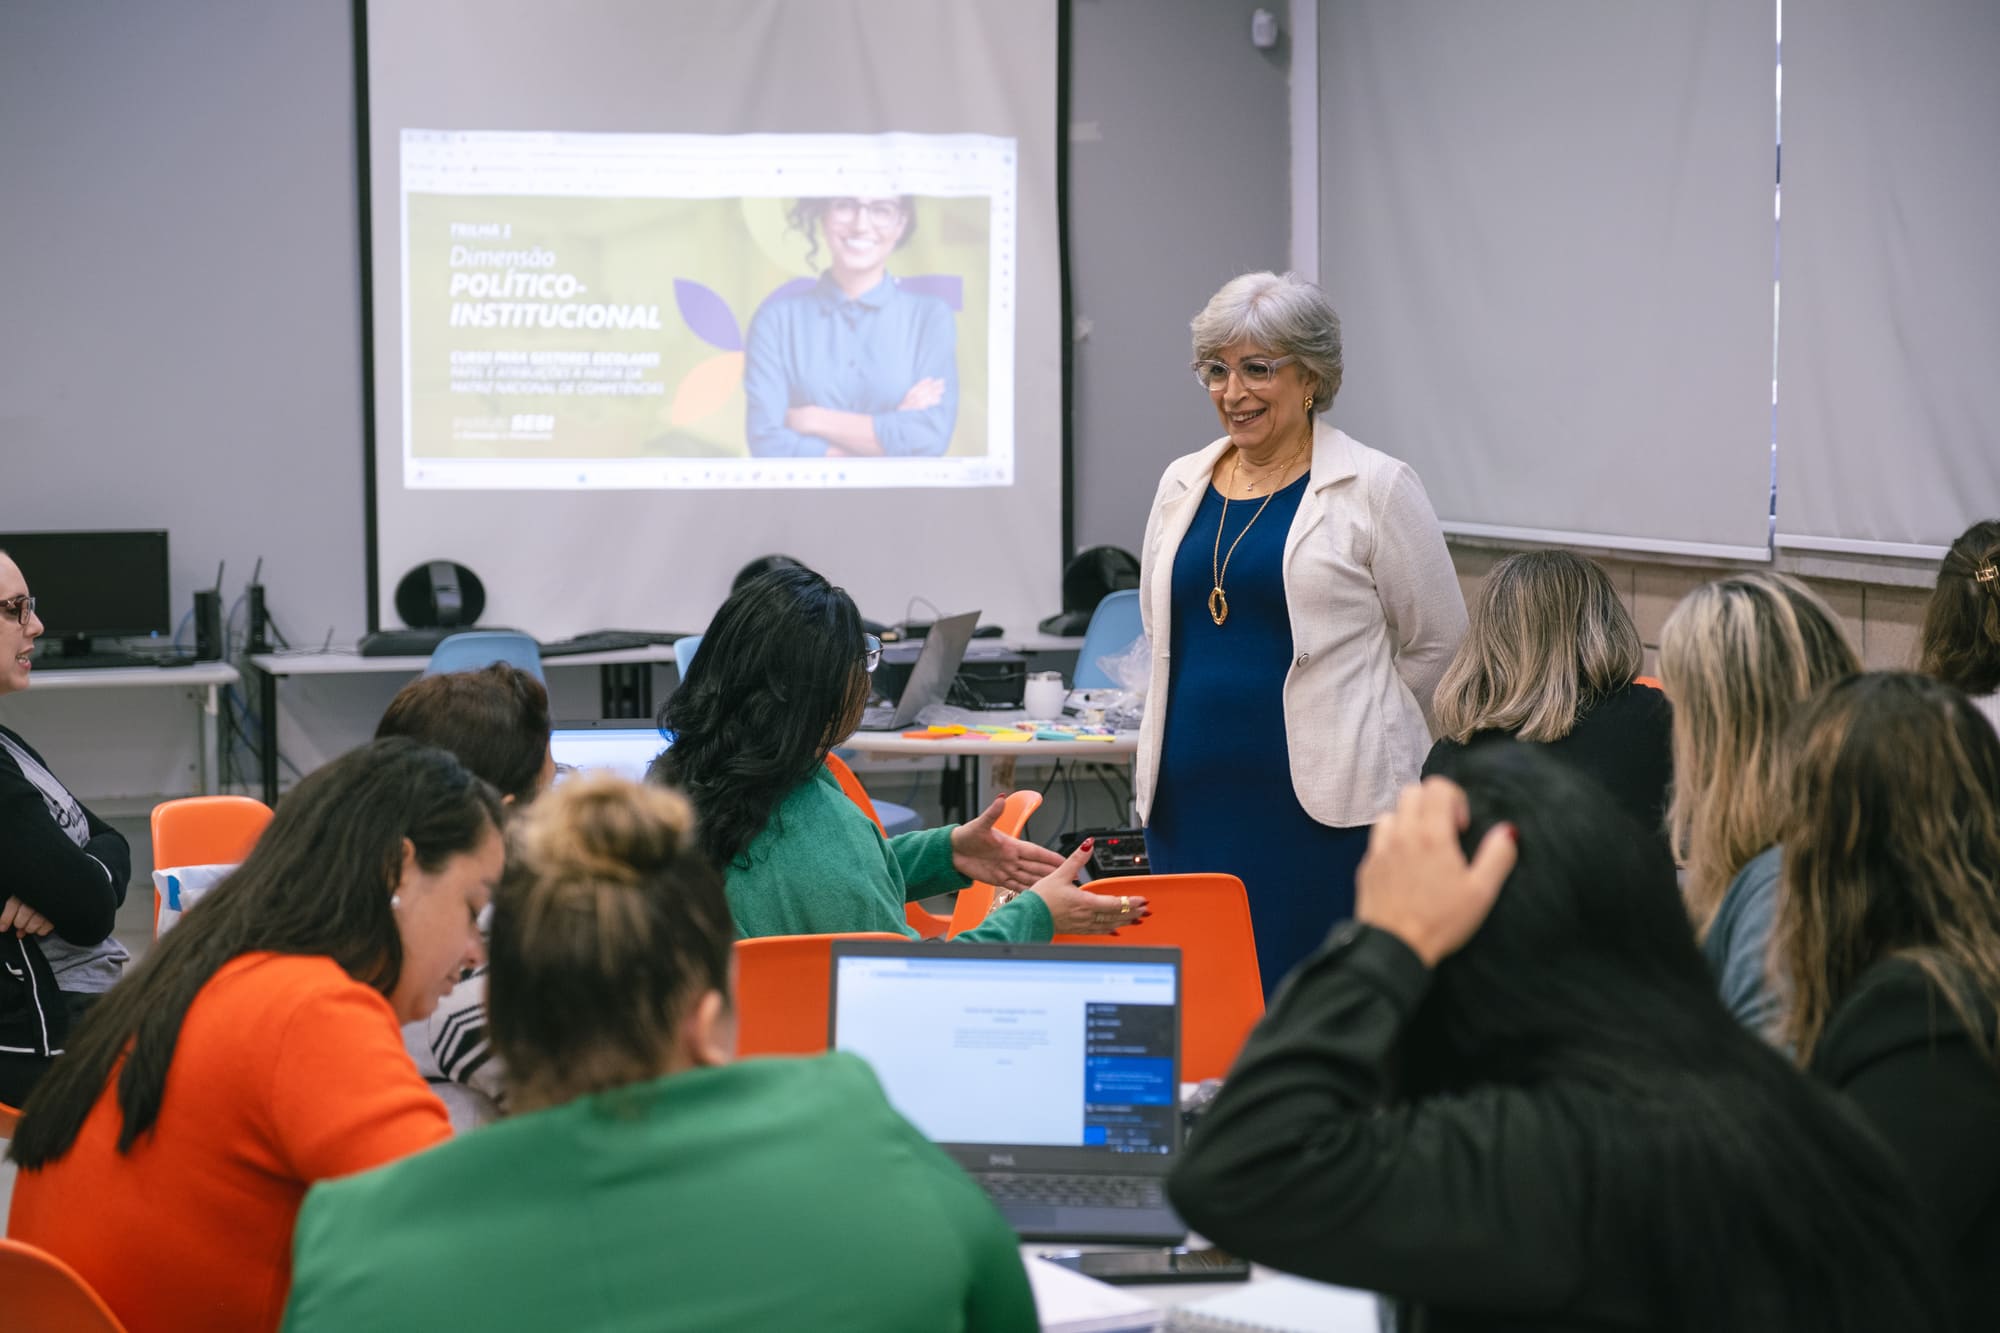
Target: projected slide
[[610, 311]]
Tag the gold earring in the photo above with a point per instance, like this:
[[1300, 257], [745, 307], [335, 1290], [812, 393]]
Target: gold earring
[[1309, 402]]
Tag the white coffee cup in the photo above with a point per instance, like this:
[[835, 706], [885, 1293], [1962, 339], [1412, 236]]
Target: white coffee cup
[[1043, 696]]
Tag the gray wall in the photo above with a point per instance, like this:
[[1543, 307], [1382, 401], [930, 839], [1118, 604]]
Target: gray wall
[[1179, 180]]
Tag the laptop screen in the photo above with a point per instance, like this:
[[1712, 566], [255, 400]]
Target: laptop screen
[[1008, 1045], [625, 750]]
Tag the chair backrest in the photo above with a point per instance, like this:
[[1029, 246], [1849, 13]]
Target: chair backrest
[[684, 648], [1113, 627], [45, 1295], [974, 902], [204, 831], [1207, 917], [10, 1118], [782, 989], [478, 648], [1650, 682]]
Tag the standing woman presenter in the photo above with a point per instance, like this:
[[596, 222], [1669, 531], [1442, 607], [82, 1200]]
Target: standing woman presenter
[[1302, 608]]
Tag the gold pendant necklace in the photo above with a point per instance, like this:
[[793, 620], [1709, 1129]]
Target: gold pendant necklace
[[1218, 600]]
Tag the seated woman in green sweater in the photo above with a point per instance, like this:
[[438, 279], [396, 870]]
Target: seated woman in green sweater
[[645, 1181], [782, 677]]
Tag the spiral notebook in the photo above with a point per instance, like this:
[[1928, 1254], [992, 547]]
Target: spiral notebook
[[1277, 1303]]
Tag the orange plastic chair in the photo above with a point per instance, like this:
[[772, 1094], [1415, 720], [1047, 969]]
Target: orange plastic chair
[[975, 902], [1207, 917], [10, 1118], [783, 984], [926, 923], [204, 831], [46, 1295], [1650, 682]]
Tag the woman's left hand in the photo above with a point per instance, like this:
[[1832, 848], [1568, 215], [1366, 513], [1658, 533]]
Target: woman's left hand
[[22, 919], [980, 851]]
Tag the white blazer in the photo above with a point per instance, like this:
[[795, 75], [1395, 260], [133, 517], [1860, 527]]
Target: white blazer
[[1376, 617]]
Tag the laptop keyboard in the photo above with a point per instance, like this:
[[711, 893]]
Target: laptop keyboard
[[1073, 1191]]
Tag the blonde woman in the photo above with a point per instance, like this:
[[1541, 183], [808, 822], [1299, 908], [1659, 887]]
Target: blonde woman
[[645, 1179], [1550, 657], [1889, 944], [1738, 657], [1961, 638]]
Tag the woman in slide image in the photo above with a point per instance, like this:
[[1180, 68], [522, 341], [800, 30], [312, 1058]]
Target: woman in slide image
[[1507, 1097], [63, 875], [859, 366], [1302, 608], [496, 721], [1888, 940], [1739, 657], [1550, 658], [799, 1198], [782, 678], [257, 1048], [1961, 635]]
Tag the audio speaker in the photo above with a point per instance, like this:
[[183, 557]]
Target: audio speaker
[[440, 595], [208, 625]]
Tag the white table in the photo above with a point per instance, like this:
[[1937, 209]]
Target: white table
[[203, 682], [273, 667], [960, 791]]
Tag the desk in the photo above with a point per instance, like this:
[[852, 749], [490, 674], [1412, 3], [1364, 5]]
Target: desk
[[960, 791], [621, 693], [1360, 1315], [202, 681]]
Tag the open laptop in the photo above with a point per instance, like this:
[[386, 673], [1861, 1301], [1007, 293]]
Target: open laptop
[[930, 679], [622, 745], [1051, 1073]]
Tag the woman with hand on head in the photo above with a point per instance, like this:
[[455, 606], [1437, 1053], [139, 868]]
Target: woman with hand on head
[[1302, 607], [1961, 635], [859, 366], [1550, 658], [63, 875], [645, 1180], [782, 678], [1888, 940], [1739, 657], [1507, 1097], [257, 1049]]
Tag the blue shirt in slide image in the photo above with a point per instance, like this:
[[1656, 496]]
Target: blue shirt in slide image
[[822, 348]]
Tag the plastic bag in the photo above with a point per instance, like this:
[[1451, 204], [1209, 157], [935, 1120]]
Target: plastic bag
[[1132, 670], [181, 887]]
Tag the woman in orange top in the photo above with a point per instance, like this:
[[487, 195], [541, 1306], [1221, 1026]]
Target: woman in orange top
[[258, 1049]]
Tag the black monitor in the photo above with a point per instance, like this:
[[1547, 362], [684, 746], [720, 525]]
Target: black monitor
[[95, 584]]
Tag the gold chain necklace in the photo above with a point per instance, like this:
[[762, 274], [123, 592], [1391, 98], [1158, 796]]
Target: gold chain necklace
[[1218, 601]]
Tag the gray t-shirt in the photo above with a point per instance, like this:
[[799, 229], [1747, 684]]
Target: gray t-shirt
[[83, 968]]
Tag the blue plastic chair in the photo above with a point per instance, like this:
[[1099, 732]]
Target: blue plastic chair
[[479, 648], [1114, 625], [684, 648]]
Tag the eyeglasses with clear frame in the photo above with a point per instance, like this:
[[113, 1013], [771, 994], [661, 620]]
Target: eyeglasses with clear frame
[[1254, 371], [884, 213], [18, 609], [871, 653]]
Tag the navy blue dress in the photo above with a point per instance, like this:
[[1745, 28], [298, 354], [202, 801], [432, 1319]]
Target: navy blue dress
[[1224, 799]]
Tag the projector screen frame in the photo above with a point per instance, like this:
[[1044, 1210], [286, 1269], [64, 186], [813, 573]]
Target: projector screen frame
[[364, 168]]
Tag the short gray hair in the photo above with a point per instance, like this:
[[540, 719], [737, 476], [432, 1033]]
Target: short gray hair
[[1282, 312]]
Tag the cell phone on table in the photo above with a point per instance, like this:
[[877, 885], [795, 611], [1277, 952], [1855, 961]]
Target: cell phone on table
[[1175, 1264]]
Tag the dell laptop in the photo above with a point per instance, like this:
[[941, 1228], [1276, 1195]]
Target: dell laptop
[[622, 745], [930, 679], [1051, 1073]]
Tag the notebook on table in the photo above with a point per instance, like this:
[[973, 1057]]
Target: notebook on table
[[1051, 1073], [1280, 1303], [621, 745], [930, 679]]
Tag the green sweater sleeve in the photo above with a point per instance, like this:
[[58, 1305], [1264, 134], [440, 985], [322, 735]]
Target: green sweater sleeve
[[925, 859], [1026, 920]]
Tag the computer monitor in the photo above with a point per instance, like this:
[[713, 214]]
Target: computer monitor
[[95, 584]]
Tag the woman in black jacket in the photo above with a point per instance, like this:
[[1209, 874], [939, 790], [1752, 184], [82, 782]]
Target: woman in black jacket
[[63, 870], [1888, 941], [1527, 1109]]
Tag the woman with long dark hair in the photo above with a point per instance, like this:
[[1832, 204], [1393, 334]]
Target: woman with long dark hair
[[257, 1048], [782, 677], [802, 1199], [1524, 1106], [1888, 938], [1961, 635]]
